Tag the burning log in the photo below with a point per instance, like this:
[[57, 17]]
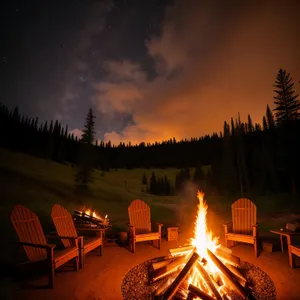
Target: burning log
[[181, 250], [209, 281], [165, 261], [228, 258], [171, 291], [225, 249], [198, 293], [224, 270], [167, 270], [88, 220], [164, 284], [182, 292], [241, 279], [191, 296]]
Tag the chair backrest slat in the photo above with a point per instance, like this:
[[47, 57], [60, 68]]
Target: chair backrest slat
[[63, 223], [243, 216], [29, 230], [139, 216]]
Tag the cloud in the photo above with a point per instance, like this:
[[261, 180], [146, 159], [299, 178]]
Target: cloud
[[77, 133], [212, 60], [78, 77]]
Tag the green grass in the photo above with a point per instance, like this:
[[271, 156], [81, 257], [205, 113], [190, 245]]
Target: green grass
[[39, 184]]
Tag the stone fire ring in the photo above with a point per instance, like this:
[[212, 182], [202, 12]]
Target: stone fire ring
[[135, 283]]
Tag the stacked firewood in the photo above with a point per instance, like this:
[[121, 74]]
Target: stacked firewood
[[82, 219], [172, 275]]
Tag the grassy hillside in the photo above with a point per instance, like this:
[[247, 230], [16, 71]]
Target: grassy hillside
[[39, 184]]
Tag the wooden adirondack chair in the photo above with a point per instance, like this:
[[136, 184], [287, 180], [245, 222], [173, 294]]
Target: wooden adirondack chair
[[293, 250], [64, 226], [140, 224], [33, 240], [243, 227]]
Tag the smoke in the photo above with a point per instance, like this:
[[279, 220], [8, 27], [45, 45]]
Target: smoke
[[213, 59]]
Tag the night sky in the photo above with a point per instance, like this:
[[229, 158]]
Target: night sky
[[150, 69]]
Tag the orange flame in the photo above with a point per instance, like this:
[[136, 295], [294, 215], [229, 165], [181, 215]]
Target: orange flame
[[203, 240], [91, 213]]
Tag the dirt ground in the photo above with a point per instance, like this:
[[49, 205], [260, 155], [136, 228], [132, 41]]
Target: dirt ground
[[102, 277]]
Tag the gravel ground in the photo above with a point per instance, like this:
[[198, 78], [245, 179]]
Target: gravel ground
[[135, 283]]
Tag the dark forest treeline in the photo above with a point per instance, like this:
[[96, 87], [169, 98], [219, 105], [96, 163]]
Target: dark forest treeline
[[244, 158]]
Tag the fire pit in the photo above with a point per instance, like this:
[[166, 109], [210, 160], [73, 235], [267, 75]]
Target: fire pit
[[136, 285], [203, 269], [90, 219]]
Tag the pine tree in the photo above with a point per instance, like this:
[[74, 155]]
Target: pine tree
[[257, 127], [270, 117], [198, 175], [286, 101], [45, 129], [36, 123], [51, 127], [144, 179], [16, 114], [88, 135], [86, 158], [232, 126], [66, 132], [167, 186], [250, 124], [177, 182], [226, 130], [265, 124], [153, 184]]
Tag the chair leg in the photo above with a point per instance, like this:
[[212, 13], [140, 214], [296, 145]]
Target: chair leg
[[255, 249], [76, 263], [159, 242], [81, 257], [133, 245], [101, 249], [50, 263], [291, 259]]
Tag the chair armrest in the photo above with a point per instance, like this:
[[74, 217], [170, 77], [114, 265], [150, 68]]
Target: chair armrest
[[90, 229], [159, 224], [227, 224], [131, 229], [62, 237], [43, 246], [255, 229], [75, 239], [228, 227]]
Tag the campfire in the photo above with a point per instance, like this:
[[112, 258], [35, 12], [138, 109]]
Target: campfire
[[90, 218], [202, 270]]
